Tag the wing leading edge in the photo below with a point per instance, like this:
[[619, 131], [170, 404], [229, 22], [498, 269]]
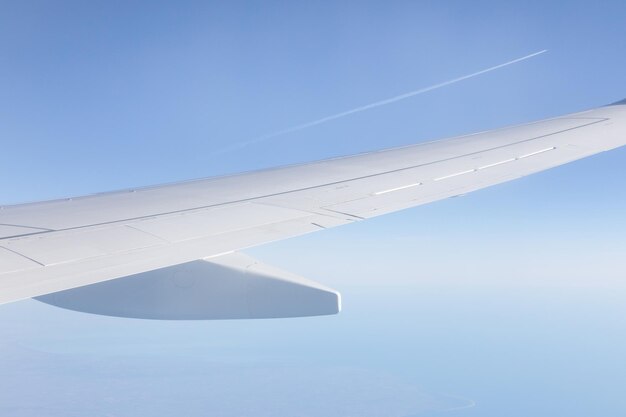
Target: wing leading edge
[[58, 245]]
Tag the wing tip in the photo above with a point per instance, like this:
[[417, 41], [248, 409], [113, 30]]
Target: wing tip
[[618, 103]]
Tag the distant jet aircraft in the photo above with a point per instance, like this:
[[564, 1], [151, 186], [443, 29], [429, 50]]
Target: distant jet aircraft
[[171, 251]]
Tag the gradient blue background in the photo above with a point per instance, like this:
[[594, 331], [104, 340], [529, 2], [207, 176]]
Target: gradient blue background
[[511, 298]]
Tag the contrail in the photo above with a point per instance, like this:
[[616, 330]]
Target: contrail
[[373, 105]]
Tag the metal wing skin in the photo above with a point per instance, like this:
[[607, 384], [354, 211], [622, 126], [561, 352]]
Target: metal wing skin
[[60, 245]]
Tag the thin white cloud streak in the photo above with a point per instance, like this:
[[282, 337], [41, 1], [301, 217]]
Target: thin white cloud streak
[[373, 105]]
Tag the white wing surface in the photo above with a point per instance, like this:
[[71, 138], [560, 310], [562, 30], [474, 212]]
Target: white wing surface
[[59, 245]]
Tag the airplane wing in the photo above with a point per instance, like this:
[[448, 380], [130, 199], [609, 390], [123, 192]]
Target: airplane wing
[[170, 251]]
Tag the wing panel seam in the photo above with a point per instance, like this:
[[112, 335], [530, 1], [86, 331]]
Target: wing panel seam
[[122, 221]]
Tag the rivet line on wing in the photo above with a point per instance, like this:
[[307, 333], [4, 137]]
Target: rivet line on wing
[[469, 171], [496, 163]]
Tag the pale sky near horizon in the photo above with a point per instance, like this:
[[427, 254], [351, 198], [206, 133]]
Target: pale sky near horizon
[[509, 301]]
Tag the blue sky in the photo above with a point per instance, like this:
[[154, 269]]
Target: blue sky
[[509, 297]]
